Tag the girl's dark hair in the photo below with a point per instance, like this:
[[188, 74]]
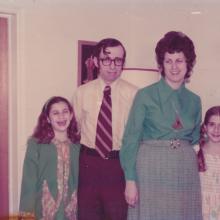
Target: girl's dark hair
[[172, 42], [215, 110], [44, 132]]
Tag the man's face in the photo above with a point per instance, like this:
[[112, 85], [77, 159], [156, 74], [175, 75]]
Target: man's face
[[110, 63]]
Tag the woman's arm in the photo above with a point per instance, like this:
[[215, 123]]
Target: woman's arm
[[198, 118], [132, 136]]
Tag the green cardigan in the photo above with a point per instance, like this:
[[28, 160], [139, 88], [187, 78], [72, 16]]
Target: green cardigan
[[40, 164]]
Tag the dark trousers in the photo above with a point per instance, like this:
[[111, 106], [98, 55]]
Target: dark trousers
[[101, 189]]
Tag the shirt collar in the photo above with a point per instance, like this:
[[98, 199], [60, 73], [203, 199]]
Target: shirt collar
[[165, 91], [58, 142], [112, 85]]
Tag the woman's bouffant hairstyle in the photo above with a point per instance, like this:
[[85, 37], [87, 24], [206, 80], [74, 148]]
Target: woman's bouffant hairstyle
[[215, 110], [172, 42], [44, 132]]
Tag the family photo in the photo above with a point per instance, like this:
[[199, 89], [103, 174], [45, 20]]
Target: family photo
[[109, 110]]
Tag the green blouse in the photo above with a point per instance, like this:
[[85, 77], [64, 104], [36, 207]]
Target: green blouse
[[159, 113], [40, 166]]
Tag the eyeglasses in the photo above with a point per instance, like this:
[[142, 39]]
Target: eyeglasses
[[108, 61]]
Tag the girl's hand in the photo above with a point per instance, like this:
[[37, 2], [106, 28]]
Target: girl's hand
[[131, 193]]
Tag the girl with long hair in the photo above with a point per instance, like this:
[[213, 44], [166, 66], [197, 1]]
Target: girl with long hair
[[50, 169], [209, 164]]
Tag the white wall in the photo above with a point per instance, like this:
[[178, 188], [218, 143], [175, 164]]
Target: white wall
[[46, 57]]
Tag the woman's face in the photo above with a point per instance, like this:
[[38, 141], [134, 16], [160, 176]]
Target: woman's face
[[213, 129], [175, 68]]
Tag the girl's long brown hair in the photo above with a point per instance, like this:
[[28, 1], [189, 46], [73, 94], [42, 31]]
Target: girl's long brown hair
[[44, 132], [215, 110]]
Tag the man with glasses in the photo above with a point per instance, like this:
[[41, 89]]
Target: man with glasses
[[101, 108]]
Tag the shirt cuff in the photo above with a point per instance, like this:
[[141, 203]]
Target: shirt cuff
[[130, 175]]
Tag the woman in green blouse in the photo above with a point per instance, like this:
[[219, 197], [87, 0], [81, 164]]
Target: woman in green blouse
[[157, 155], [50, 171]]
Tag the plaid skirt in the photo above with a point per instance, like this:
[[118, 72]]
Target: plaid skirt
[[168, 182]]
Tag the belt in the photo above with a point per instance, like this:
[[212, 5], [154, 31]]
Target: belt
[[172, 143], [114, 154]]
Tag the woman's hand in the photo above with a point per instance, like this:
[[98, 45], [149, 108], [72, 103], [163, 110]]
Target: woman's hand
[[131, 192]]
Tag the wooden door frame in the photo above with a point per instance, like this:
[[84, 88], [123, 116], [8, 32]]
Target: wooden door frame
[[4, 118]]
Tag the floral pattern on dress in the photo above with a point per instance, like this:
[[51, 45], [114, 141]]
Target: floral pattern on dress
[[210, 184], [51, 205]]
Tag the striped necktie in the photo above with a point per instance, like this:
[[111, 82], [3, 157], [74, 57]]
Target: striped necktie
[[104, 125]]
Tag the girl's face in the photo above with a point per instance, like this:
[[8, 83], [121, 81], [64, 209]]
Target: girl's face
[[175, 68], [213, 129], [60, 117]]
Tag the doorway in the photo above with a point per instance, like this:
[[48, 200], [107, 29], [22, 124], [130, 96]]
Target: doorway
[[4, 171]]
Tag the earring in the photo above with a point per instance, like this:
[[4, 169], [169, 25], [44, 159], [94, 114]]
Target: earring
[[206, 136], [48, 120]]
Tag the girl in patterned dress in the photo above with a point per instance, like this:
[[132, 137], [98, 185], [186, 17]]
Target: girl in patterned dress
[[209, 164], [50, 169]]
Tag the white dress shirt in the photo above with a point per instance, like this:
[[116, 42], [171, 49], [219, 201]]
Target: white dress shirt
[[87, 101]]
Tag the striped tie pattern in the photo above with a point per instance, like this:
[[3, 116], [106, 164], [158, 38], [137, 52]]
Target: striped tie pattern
[[104, 125]]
